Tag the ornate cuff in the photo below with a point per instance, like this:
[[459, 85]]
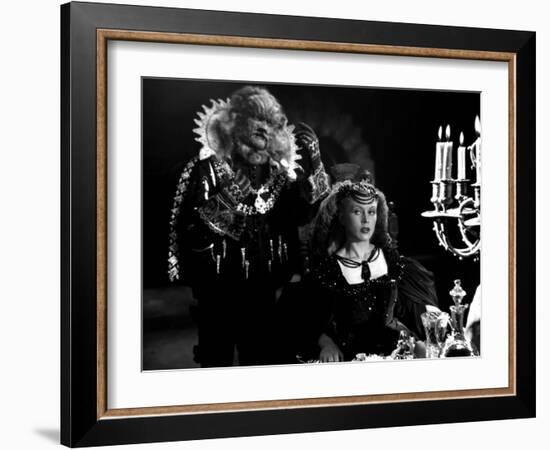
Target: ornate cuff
[[318, 184]]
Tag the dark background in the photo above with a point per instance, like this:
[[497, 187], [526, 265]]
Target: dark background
[[392, 132]]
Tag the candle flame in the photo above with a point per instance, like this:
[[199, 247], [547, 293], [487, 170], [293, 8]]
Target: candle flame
[[477, 125], [448, 132], [440, 132], [461, 138]]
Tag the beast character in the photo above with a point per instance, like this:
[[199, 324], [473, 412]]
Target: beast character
[[234, 222]]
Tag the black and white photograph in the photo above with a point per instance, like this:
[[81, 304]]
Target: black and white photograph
[[260, 225], [305, 224]]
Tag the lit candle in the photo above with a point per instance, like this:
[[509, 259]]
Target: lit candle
[[461, 175], [447, 162], [438, 155]]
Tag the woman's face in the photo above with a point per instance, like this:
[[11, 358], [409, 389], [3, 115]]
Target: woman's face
[[358, 220]]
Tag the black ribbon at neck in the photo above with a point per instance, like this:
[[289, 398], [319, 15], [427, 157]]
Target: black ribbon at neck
[[365, 269]]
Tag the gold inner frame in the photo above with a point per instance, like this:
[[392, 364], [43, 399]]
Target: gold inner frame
[[104, 35]]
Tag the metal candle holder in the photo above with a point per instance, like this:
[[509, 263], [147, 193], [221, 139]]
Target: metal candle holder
[[461, 210]]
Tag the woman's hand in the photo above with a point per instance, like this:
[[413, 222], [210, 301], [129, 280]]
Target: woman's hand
[[330, 352]]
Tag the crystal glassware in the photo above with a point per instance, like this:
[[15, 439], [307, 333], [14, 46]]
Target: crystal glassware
[[457, 344], [405, 346], [436, 327]]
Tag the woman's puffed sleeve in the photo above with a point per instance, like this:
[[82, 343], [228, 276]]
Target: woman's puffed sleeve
[[416, 289]]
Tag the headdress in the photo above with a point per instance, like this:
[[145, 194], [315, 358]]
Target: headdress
[[361, 191]]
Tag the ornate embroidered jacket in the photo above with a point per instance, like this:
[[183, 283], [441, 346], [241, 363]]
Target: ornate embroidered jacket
[[221, 231]]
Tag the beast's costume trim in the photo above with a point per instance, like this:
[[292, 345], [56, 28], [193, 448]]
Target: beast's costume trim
[[173, 250]]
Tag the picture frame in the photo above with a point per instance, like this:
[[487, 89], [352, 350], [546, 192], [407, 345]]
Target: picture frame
[[86, 418]]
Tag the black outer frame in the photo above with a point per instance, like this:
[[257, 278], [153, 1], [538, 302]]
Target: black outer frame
[[79, 423]]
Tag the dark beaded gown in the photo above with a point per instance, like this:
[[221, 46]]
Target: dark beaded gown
[[366, 317]]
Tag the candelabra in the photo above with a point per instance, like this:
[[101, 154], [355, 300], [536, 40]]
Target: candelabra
[[457, 200]]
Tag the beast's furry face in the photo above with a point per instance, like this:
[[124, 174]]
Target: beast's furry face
[[259, 135], [253, 137]]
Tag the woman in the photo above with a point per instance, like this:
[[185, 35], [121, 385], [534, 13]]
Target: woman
[[365, 292]]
